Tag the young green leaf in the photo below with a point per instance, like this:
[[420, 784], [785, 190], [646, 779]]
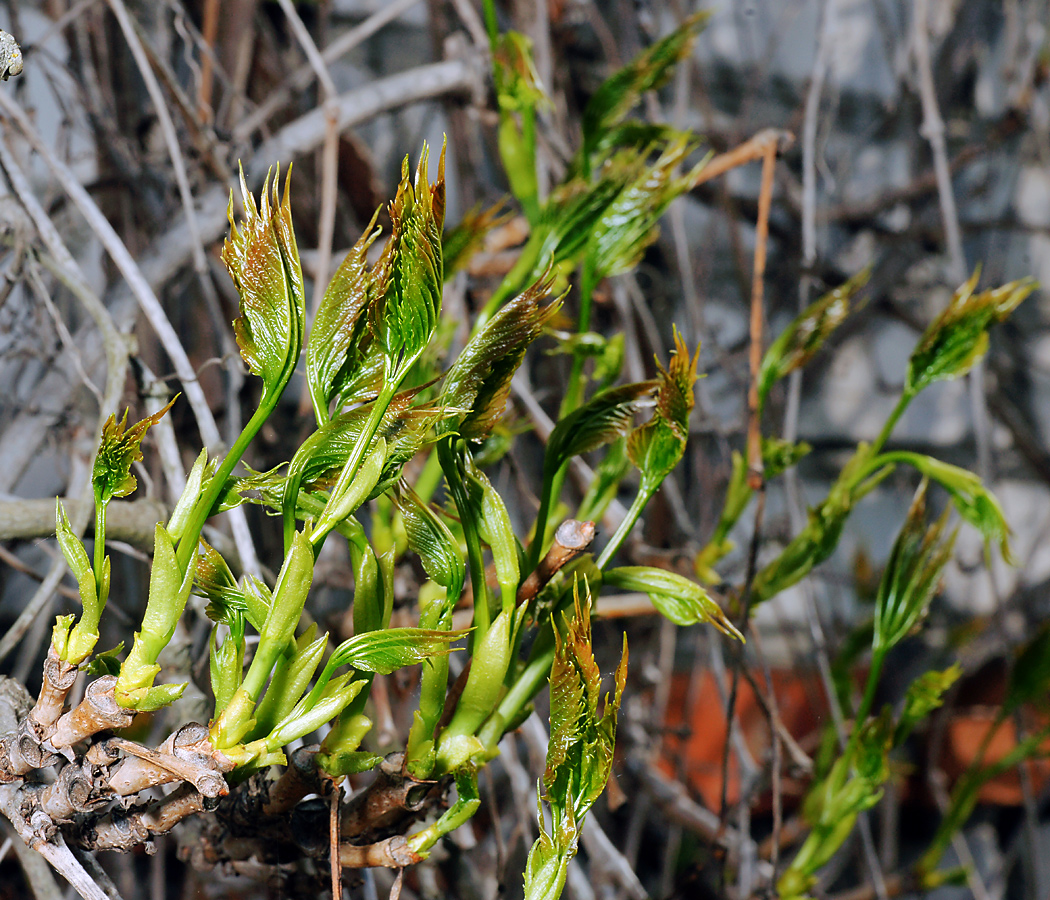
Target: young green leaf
[[520, 95], [604, 418], [495, 529], [853, 785], [387, 651], [798, 343], [958, 337], [682, 601], [656, 447], [818, 540], [431, 540], [291, 677], [119, 447], [226, 663], [975, 503], [80, 565], [579, 752], [479, 379], [648, 71], [629, 224], [335, 351], [924, 695], [263, 261], [912, 575], [410, 275]]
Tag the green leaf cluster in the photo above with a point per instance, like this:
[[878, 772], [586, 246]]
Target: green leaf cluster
[[579, 752]]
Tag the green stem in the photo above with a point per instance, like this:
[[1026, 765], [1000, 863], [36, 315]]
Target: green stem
[[574, 392], [878, 658], [475, 559], [887, 429], [530, 204], [202, 510], [640, 500], [353, 463], [539, 532], [552, 486], [528, 685], [491, 24], [100, 543]]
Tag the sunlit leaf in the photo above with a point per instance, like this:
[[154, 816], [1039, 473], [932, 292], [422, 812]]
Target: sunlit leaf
[[119, 447], [682, 601], [958, 337], [604, 418], [262, 258], [798, 343], [912, 574], [479, 379], [649, 70], [628, 225], [579, 752], [334, 352], [656, 447], [410, 275]]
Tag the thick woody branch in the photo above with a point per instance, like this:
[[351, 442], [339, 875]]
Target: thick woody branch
[[98, 711], [126, 830], [296, 781], [187, 755], [393, 853], [58, 680]]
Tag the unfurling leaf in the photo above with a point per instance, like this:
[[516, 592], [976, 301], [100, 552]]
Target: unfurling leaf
[[80, 565], [518, 84], [604, 418], [797, 344], [322, 456], [818, 540], [975, 503], [495, 529], [119, 447], [479, 380], [682, 601], [386, 651], [263, 261], [579, 753], [656, 447], [912, 576], [958, 337], [226, 662], [649, 70], [431, 540], [853, 785], [410, 274], [519, 94], [335, 350], [628, 225]]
